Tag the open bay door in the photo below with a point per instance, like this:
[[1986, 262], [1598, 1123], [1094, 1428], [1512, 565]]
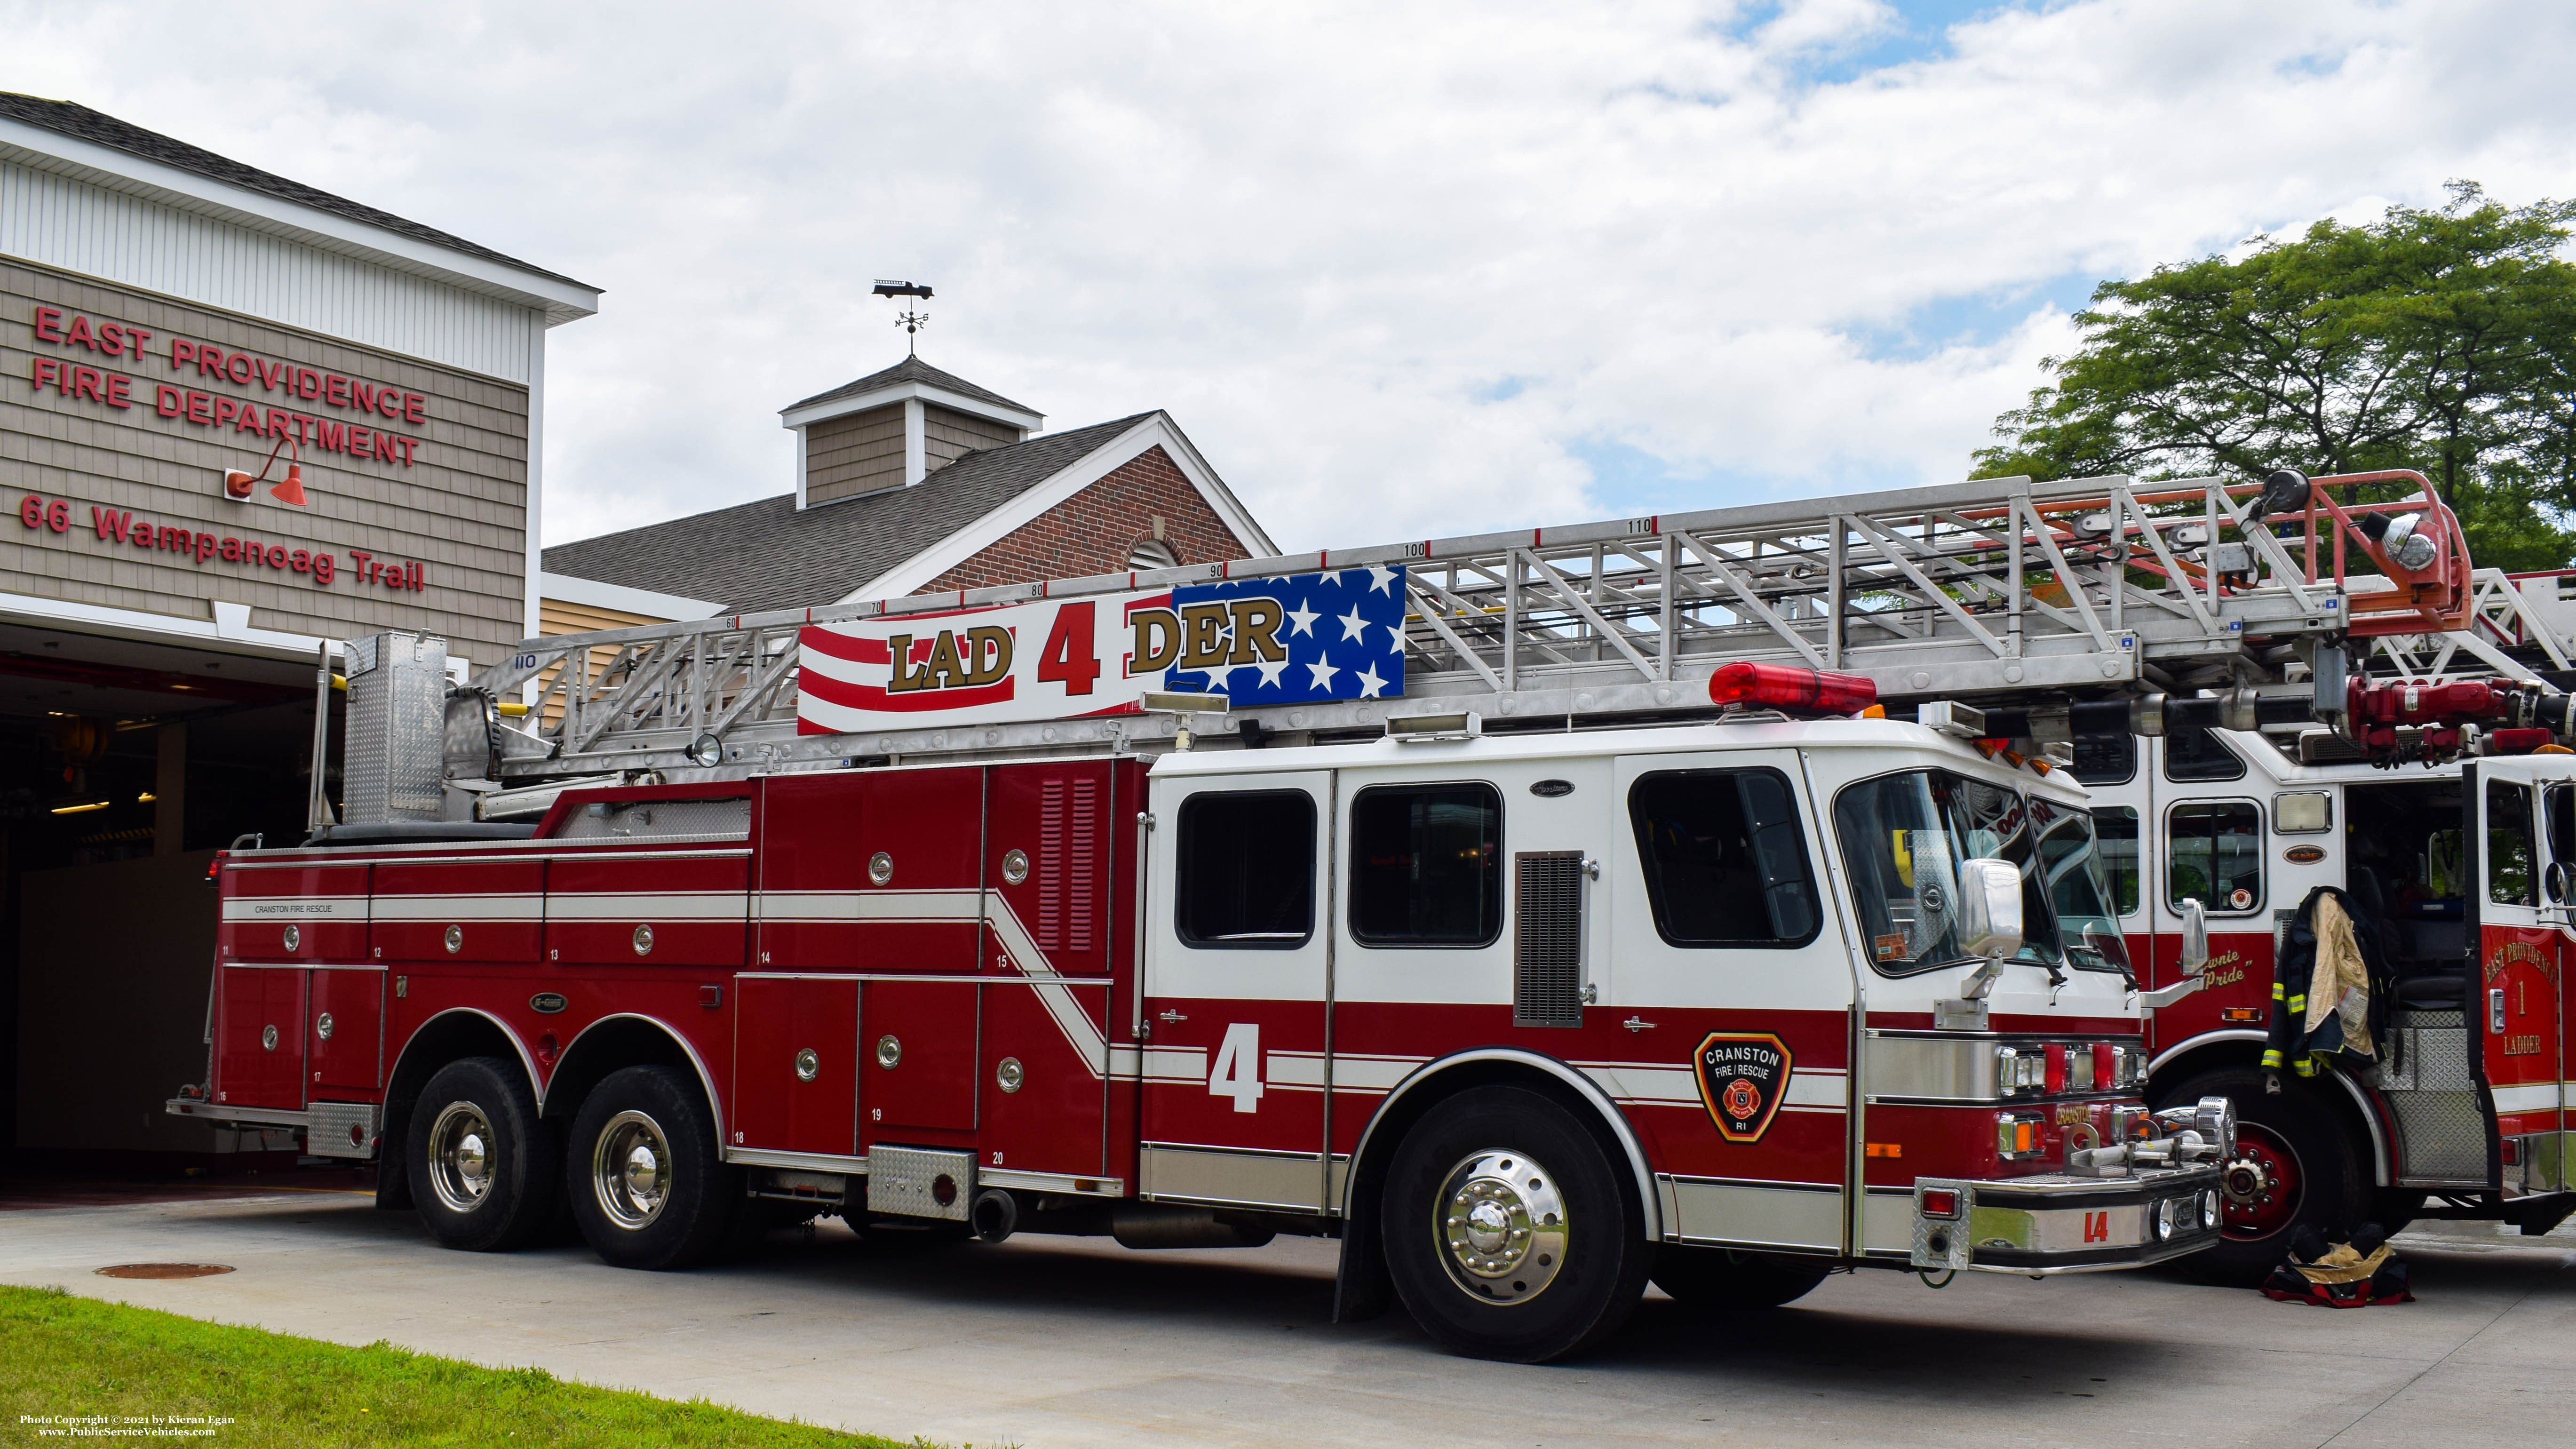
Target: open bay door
[[2523, 830]]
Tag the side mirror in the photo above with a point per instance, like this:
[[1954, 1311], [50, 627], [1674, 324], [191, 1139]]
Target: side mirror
[[2195, 938], [2557, 879], [1990, 923]]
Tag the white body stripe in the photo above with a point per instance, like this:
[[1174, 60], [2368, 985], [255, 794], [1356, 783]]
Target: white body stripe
[[530, 908], [724, 906], [295, 908], [2540, 1097]]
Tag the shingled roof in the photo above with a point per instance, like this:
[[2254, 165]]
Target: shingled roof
[[79, 122], [770, 554], [912, 369]]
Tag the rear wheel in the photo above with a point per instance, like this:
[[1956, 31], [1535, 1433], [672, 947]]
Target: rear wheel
[[482, 1170], [2294, 1165], [649, 1187], [1508, 1230], [1724, 1280]]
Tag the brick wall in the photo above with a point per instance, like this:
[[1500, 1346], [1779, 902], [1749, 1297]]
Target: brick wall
[[1091, 532]]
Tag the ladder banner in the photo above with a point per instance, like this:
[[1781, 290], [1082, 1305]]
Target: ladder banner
[[1291, 639]]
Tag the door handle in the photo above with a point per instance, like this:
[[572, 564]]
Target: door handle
[[1171, 1016], [1638, 1023]]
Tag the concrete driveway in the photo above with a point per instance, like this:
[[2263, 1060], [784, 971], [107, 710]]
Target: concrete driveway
[[1054, 1342]]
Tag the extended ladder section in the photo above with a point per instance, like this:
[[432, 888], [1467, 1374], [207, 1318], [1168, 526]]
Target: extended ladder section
[[2089, 587]]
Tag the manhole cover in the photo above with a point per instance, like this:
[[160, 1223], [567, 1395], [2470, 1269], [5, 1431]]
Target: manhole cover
[[163, 1270]]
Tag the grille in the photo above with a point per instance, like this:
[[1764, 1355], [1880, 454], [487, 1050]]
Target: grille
[[394, 752], [1547, 938]]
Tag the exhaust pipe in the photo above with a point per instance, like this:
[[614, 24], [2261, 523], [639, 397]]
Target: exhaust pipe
[[995, 1215]]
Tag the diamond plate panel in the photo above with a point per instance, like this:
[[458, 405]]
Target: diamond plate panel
[[340, 1129], [905, 1181]]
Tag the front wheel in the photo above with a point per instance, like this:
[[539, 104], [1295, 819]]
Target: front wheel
[[2293, 1166], [482, 1170], [649, 1187], [1508, 1231], [1725, 1280]]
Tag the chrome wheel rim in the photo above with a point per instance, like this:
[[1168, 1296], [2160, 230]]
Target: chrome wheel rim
[[1501, 1226], [461, 1162], [630, 1170]]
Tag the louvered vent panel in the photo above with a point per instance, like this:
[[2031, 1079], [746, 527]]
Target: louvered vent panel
[[1547, 938], [1080, 860], [1050, 866]]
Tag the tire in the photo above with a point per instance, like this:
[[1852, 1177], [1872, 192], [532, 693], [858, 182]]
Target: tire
[[2294, 1166], [1728, 1281], [484, 1174], [1509, 1232], [649, 1187]]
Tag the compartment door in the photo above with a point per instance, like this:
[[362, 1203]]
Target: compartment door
[[1044, 1060], [796, 1064], [2515, 1000], [347, 1021], [259, 1037], [917, 1073]]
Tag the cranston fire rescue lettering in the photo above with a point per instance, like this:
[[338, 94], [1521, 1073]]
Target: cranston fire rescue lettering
[[1288, 640], [1742, 1078]]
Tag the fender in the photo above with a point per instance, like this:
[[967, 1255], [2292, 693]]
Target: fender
[[706, 1079], [1584, 1086], [2364, 1101], [527, 1062]]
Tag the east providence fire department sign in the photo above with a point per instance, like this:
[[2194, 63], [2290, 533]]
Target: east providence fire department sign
[[1742, 1078], [1292, 640]]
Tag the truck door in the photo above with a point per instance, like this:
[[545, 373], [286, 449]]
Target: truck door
[[1737, 990], [1236, 981], [2515, 1001]]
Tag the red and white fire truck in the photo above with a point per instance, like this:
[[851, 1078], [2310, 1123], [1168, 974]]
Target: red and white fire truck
[[2460, 866], [1551, 918]]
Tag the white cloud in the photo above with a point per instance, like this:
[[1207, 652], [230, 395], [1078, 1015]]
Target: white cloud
[[1398, 272]]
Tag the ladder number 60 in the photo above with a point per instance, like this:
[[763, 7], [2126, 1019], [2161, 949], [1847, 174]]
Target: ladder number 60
[[1237, 1072]]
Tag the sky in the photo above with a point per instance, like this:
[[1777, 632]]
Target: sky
[[1398, 270]]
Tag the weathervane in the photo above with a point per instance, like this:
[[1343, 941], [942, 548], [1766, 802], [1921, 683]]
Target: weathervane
[[910, 319]]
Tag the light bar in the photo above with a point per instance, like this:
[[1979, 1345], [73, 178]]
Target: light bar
[[1784, 686]]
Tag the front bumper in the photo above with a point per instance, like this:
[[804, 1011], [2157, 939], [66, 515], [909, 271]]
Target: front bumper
[[2059, 1224]]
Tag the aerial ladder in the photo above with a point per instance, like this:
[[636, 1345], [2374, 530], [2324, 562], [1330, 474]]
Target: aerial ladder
[[2104, 597]]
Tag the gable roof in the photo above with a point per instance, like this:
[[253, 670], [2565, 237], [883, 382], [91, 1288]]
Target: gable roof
[[769, 554], [911, 369], [68, 118]]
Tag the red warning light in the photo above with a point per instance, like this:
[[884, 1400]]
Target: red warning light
[[1784, 686]]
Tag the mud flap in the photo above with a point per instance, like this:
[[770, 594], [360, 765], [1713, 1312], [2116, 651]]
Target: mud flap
[[1362, 1289]]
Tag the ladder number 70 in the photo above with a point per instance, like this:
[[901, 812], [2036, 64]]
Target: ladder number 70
[[1237, 1072]]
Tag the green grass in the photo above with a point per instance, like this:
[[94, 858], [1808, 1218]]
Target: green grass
[[67, 1356]]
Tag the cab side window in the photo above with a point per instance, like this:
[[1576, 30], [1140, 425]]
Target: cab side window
[[1427, 865], [2195, 754], [2214, 855], [1724, 860], [1247, 870], [2509, 865]]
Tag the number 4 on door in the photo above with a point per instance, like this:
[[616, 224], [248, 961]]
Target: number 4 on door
[[1237, 1072]]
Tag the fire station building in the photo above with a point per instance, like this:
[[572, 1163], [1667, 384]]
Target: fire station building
[[240, 419]]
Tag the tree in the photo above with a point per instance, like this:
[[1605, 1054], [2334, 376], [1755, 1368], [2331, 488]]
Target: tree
[[2443, 341]]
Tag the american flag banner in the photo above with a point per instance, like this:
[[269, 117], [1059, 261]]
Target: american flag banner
[[1297, 638]]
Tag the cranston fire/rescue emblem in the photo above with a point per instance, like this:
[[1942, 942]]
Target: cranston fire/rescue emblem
[[1743, 1075]]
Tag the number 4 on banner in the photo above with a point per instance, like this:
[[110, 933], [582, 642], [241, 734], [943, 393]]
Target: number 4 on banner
[[1067, 658], [1237, 1072]]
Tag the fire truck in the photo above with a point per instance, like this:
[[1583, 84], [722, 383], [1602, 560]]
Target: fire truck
[[2458, 863], [1538, 914]]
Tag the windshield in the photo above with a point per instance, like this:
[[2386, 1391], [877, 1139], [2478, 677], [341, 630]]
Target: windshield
[[1903, 837], [2079, 888]]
